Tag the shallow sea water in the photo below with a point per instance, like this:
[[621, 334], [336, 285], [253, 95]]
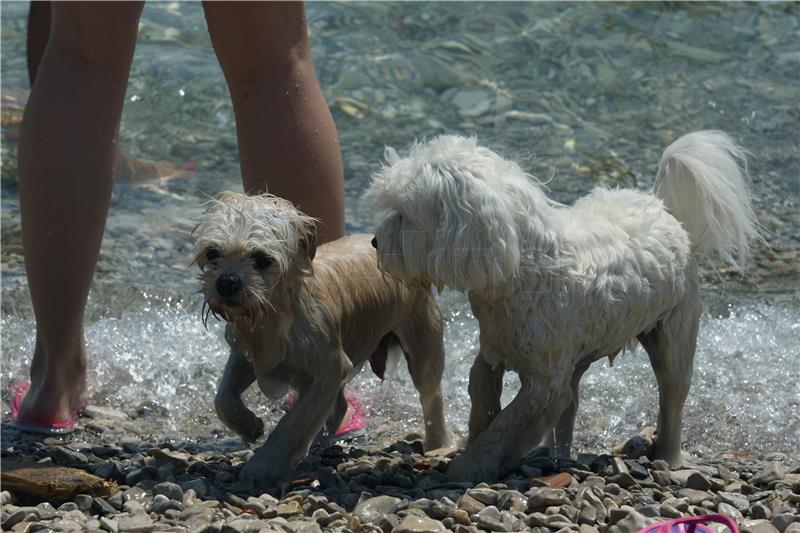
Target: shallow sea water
[[582, 94]]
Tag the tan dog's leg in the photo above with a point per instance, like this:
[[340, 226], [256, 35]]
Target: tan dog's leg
[[515, 430], [334, 420], [239, 375], [560, 439], [292, 437], [485, 388], [671, 346], [423, 345]]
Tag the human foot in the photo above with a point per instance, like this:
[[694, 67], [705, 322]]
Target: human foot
[[32, 419], [140, 171]]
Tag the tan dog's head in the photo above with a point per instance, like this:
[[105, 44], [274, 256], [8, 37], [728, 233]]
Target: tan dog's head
[[250, 249]]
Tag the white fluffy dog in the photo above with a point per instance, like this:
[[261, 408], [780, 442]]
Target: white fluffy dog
[[555, 288], [309, 318]]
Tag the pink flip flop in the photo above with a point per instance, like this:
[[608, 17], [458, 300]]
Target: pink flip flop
[[354, 420], [353, 423], [43, 426], [691, 524]]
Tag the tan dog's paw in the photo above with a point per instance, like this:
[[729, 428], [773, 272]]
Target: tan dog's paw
[[262, 474], [253, 433]]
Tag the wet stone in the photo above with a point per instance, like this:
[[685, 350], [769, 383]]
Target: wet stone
[[730, 511], [173, 491], [373, 508], [738, 501], [470, 504], [102, 507], [417, 524], [66, 457], [783, 520], [486, 496], [695, 497], [137, 522], [772, 471], [698, 481], [759, 511], [539, 498], [758, 526], [490, 519]]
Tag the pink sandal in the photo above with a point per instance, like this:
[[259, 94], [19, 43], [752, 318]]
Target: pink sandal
[[354, 421], [44, 426], [691, 524]]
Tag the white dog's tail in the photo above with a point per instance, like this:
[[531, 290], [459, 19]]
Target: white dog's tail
[[702, 185]]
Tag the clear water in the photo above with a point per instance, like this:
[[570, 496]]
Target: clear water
[[580, 93]]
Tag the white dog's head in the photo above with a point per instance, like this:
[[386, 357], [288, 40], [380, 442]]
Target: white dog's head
[[250, 250], [448, 214]]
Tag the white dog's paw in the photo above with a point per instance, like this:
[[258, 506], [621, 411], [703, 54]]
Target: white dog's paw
[[258, 473], [466, 467], [676, 459]]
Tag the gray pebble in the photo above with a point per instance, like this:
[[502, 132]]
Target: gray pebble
[[489, 518], [759, 511], [757, 526], [736, 500], [173, 491], [782, 521], [418, 524], [371, 509], [730, 511], [64, 456], [540, 498], [772, 471], [102, 507]]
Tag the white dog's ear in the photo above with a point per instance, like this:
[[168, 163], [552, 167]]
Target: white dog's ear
[[390, 155], [476, 244]]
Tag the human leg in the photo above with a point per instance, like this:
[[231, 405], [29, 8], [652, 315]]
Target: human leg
[[287, 138], [38, 34], [66, 157]]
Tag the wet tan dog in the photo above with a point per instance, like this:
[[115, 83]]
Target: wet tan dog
[[307, 318]]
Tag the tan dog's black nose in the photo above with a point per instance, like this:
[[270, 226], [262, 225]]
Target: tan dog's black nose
[[229, 285], [374, 242]]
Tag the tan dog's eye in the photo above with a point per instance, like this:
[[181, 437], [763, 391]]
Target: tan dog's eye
[[261, 260], [213, 253]]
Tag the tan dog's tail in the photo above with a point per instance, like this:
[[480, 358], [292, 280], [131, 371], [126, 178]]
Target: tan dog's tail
[[701, 182]]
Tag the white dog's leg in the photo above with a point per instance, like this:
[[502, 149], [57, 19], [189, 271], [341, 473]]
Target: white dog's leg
[[671, 346], [423, 345], [292, 437], [515, 430], [560, 439], [232, 411], [485, 388]]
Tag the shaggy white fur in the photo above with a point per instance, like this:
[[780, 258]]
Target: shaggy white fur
[[555, 288]]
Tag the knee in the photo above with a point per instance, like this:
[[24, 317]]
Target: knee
[[295, 65], [98, 35]]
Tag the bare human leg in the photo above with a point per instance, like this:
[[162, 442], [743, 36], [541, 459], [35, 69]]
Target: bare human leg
[[288, 143], [66, 157], [126, 168]]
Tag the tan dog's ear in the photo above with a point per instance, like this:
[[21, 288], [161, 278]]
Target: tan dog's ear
[[309, 244]]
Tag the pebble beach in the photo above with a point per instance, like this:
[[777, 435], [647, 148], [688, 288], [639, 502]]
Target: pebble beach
[[582, 95], [193, 486]]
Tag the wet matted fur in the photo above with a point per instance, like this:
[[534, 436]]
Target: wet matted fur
[[308, 318]]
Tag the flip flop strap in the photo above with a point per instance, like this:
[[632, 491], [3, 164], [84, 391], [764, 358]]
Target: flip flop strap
[[691, 523]]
